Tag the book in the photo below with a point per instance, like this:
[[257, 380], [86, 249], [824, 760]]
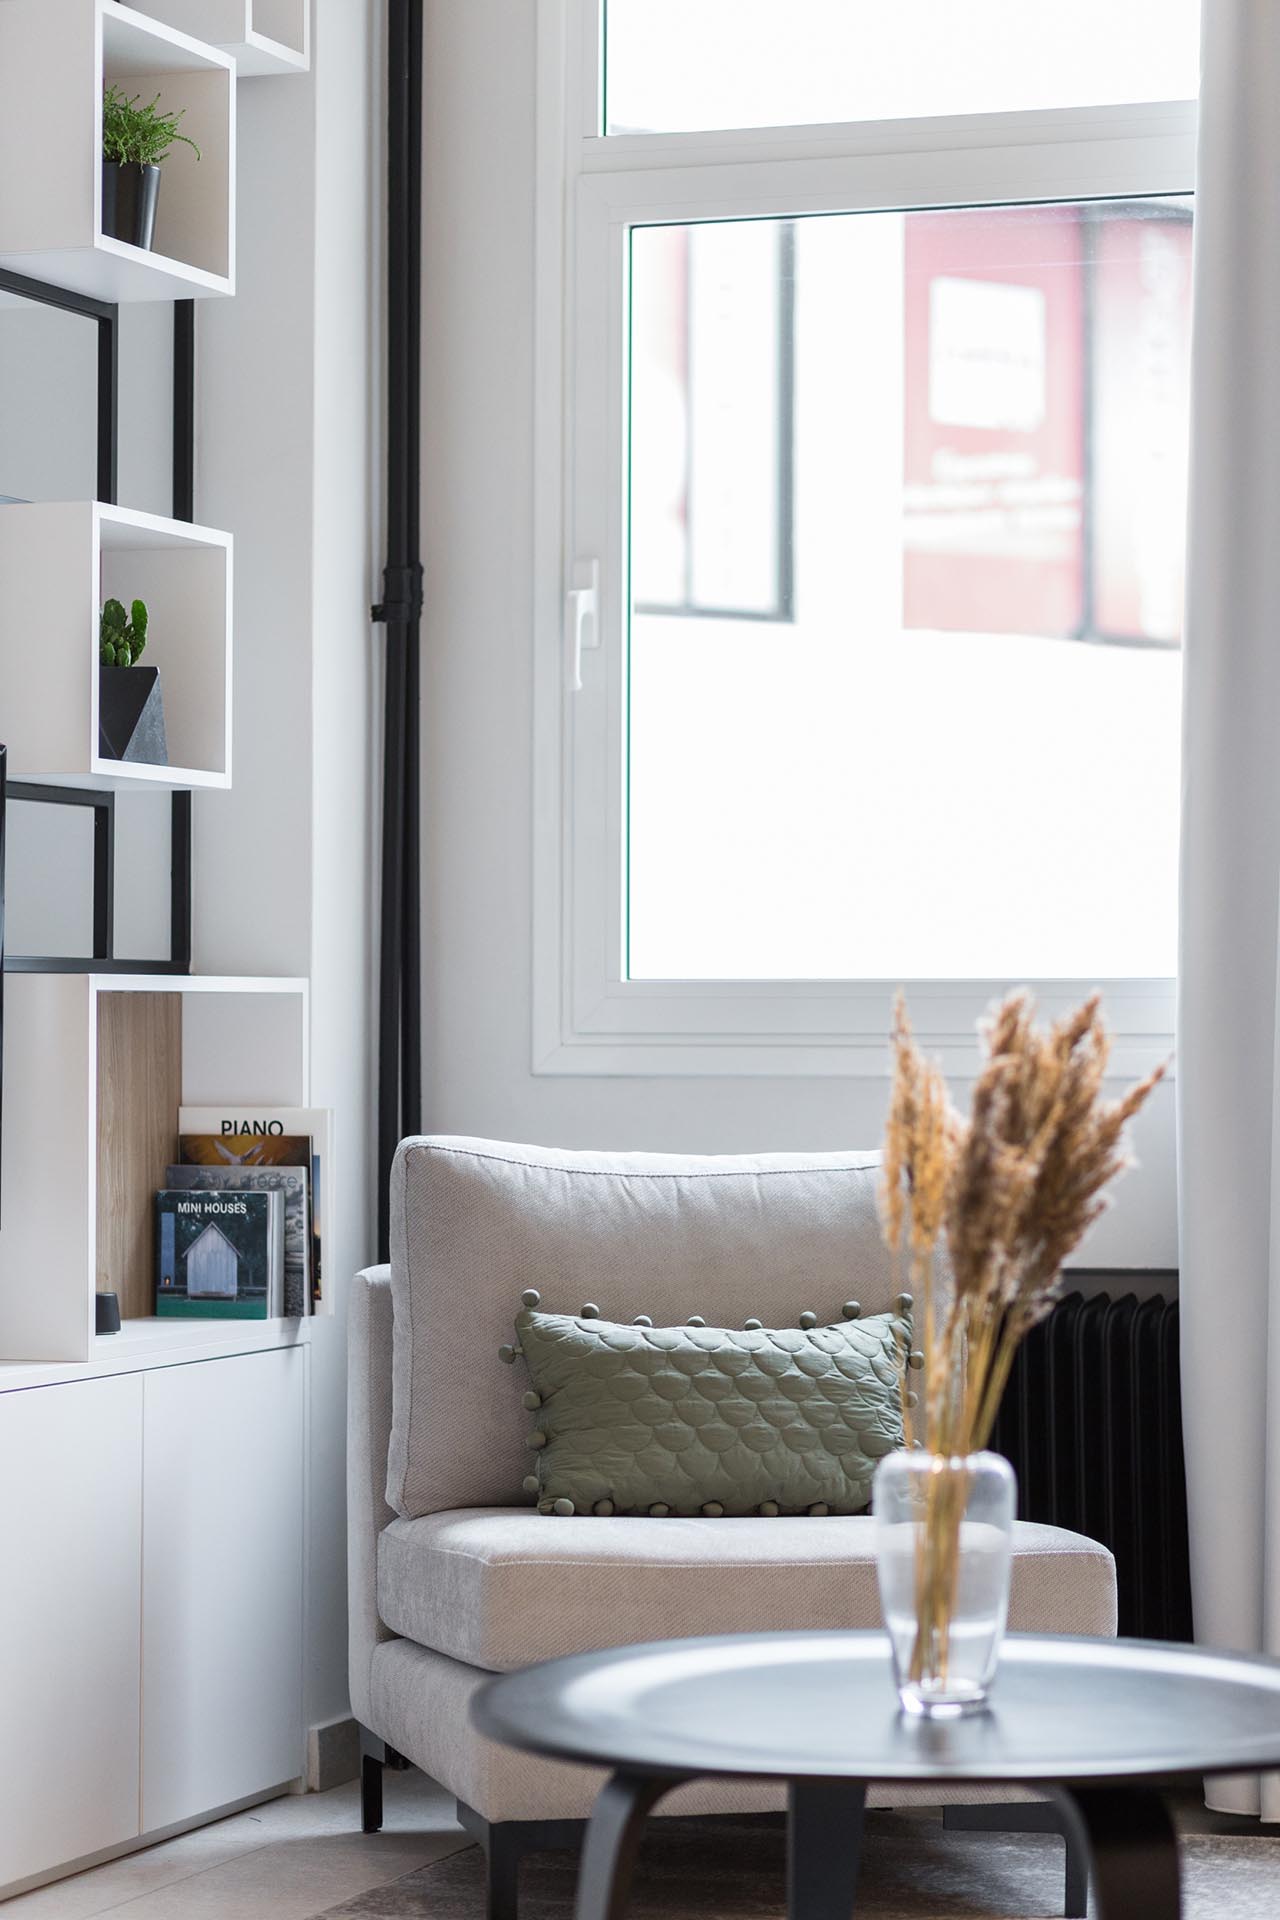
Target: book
[[219, 1256], [261, 1136], [293, 1183]]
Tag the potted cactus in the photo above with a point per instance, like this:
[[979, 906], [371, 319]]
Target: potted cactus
[[135, 139], [130, 706]]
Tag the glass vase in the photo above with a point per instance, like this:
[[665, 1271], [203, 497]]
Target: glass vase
[[944, 1540]]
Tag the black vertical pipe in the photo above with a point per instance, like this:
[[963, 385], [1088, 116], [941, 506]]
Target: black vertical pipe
[[399, 1039], [411, 930]]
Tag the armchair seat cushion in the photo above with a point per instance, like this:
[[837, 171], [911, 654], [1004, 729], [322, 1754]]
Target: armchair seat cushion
[[499, 1588]]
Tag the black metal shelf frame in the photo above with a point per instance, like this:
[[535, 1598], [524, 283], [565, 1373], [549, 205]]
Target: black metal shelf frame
[[104, 958]]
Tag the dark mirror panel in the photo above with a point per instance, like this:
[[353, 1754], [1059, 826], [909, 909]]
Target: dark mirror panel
[[48, 401], [49, 881], [55, 444]]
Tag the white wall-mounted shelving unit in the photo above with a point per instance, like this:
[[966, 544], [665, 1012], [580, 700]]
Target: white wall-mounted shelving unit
[[55, 57], [96, 1066], [262, 36], [59, 562], [181, 1445]]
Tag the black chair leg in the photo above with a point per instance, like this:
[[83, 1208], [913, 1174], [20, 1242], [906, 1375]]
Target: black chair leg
[[374, 1756], [370, 1794], [501, 1875]]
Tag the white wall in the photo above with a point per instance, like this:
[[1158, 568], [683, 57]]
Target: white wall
[[286, 436], [347, 57], [477, 721]]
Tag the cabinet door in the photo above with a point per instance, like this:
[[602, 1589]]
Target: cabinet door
[[71, 1526], [222, 1583]]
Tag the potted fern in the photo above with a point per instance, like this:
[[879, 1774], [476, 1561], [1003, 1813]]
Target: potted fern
[[136, 137], [130, 706]]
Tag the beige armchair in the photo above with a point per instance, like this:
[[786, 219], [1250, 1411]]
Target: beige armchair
[[453, 1576]]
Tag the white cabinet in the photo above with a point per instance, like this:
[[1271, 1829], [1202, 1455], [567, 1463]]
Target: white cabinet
[[71, 1526], [151, 1601], [222, 1582]]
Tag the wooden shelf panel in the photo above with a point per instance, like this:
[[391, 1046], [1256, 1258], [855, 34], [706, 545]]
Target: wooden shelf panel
[[139, 1093]]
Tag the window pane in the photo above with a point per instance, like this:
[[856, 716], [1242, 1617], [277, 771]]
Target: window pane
[[949, 748], [684, 65], [712, 486]]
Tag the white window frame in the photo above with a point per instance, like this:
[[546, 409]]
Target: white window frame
[[587, 1017]]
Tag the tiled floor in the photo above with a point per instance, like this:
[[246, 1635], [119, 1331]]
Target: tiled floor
[[289, 1860], [300, 1857]]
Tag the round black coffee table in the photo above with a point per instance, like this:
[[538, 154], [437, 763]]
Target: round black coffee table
[[1102, 1726]]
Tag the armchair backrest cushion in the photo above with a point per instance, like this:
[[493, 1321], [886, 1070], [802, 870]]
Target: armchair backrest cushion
[[476, 1222]]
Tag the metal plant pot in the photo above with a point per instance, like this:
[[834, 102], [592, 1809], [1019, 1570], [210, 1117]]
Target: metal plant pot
[[129, 196], [131, 715]]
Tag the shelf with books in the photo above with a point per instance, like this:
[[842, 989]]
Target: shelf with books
[[98, 1068], [60, 562], [262, 36], [51, 190]]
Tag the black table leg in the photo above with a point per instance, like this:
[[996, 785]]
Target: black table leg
[[824, 1845], [1133, 1850], [609, 1851]]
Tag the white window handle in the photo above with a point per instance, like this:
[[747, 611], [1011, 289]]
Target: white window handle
[[582, 616]]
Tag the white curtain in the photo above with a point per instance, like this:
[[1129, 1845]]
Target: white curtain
[[1229, 1134]]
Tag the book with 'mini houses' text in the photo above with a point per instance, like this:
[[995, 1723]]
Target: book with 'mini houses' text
[[220, 1255], [294, 1183]]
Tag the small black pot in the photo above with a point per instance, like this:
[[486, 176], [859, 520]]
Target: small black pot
[[106, 1313], [131, 716], [129, 196]]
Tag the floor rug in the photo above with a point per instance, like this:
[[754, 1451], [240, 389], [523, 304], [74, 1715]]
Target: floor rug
[[912, 1870]]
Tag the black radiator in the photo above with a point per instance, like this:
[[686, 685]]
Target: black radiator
[[1092, 1423]]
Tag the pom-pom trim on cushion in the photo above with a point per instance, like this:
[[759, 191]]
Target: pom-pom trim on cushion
[[902, 1357]]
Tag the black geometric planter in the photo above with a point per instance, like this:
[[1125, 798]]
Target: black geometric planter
[[129, 196], [131, 715]]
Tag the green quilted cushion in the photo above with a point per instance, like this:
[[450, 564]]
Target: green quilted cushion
[[712, 1420]]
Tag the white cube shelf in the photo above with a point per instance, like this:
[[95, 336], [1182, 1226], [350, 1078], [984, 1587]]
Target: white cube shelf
[[241, 1040], [59, 562], [262, 36], [55, 57]]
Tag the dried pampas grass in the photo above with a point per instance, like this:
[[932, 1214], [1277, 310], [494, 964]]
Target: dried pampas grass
[[1008, 1194]]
